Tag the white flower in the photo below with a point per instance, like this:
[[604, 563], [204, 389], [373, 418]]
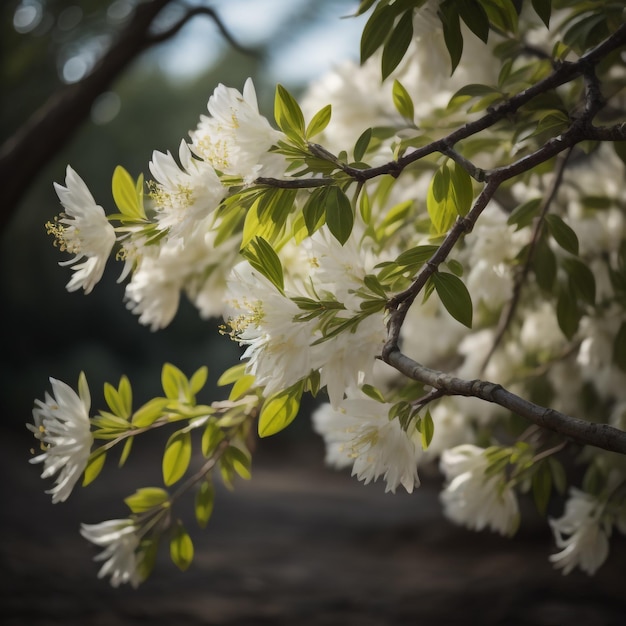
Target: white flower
[[235, 138], [581, 533], [262, 319], [183, 195], [82, 230], [470, 498], [120, 541], [62, 425], [360, 433]]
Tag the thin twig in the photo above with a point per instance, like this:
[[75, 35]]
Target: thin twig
[[508, 312]]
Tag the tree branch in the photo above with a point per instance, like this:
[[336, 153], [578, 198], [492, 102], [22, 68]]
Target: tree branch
[[35, 143], [582, 432]]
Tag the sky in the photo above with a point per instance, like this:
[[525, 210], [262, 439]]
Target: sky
[[329, 38]]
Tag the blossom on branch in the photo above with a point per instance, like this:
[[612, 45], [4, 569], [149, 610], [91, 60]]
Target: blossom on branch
[[120, 540], [63, 428], [82, 230]]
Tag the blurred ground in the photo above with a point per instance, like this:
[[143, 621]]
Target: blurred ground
[[297, 545]]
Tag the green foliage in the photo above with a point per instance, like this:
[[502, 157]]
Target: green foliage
[[454, 296], [94, 466], [205, 499], [181, 547], [261, 256], [450, 195], [176, 457], [288, 115], [146, 499], [280, 410], [339, 214], [402, 101], [128, 196]]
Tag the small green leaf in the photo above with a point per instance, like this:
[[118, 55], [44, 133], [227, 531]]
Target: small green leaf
[[439, 201], [543, 8], [94, 466], [128, 444], [288, 114], [280, 410], [373, 393], [568, 313], [181, 548], [238, 460], [524, 214], [198, 379], [581, 279], [116, 402], [176, 457], [146, 498], [231, 375], [339, 214], [125, 194], [264, 259], [544, 265], [461, 189], [454, 296], [360, 147], [562, 233], [149, 412], [241, 387], [402, 100], [314, 210], [397, 44], [427, 429], [211, 437], [319, 122], [452, 33], [376, 30], [473, 14], [416, 257], [205, 498], [174, 382]]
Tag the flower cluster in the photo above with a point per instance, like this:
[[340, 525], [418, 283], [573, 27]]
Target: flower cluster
[[307, 249]]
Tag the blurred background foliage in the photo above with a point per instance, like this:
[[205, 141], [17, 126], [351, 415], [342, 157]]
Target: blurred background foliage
[[47, 44]]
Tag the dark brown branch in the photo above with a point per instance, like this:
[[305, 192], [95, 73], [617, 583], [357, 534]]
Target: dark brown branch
[[582, 432]]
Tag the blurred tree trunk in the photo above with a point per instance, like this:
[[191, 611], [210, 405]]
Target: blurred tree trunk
[[34, 144]]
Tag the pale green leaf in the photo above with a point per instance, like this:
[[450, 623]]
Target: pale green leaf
[[280, 410], [176, 457], [146, 498], [181, 548], [205, 498]]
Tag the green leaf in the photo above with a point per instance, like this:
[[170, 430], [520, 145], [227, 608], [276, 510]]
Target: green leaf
[[318, 122], [231, 375], [376, 30], [238, 460], [562, 233], [94, 466], [416, 257], [619, 348], [280, 410], [174, 382], [397, 44], [128, 444], [581, 279], [454, 296], [288, 114], [146, 498], [402, 100], [427, 429], [314, 210], [205, 498], [452, 33], [211, 437], [339, 214], [544, 265], [439, 201], [115, 401], [473, 14], [360, 147], [181, 548], [524, 214], [264, 259], [198, 380], [372, 392], [568, 313], [125, 194], [176, 457], [461, 189], [543, 8], [241, 387], [149, 412]]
